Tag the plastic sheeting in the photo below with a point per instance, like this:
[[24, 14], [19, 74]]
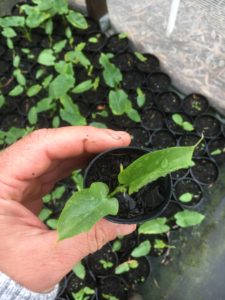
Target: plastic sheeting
[[187, 35]]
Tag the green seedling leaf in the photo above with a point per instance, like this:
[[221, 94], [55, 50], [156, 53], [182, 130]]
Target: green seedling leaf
[[49, 27], [44, 214], [98, 125], [34, 90], [109, 297], [134, 115], [35, 17], [216, 152], [20, 78], [12, 21], [18, 90], [83, 87], [154, 165], [126, 266], [78, 179], [47, 57], [59, 46], [93, 40], [141, 250], [159, 244], [9, 43], [141, 98], [56, 122], [32, 116], [68, 33], [111, 73], [79, 270], [122, 35], [106, 264], [119, 102], [186, 197], [83, 294], [77, 20], [2, 100], [140, 56], [187, 126], [8, 32], [61, 85], [44, 105], [16, 61], [47, 81], [39, 73], [47, 198], [64, 68], [188, 218], [177, 118], [13, 134], [96, 83], [52, 223], [76, 218], [58, 192], [116, 246], [155, 226], [77, 56]]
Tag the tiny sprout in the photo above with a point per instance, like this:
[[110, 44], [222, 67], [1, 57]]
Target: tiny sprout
[[186, 197], [93, 40], [116, 246], [109, 297], [126, 266], [122, 35], [106, 264], [178, 119], [140, 56], [217, 152]]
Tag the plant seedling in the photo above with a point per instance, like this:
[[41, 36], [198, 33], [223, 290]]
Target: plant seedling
[[141, 250], [217, 152], [106, 264], [186, 197], [109, 297], [140, 56], [83, 294], [126, 266], [178, 119], [79, 270]]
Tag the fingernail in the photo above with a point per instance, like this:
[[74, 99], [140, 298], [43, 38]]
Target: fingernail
[[126, 229], [116, 135]]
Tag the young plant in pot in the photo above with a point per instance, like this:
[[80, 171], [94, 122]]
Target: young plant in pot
[[126, 185]]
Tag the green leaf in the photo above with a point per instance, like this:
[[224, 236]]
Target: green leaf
[[58, 192], [52, 223], [76, 218], [78, 179], [186, 197], [118, 102], [155, 226], [20, 78], [47, 81], [77, 20], [34, 90], [111, 73], [12, 21], [141, 98], [13, 134], [79, 270], [9, 43], [2, 100], [35, 18], [49, 27], [154, 165], [8, 32], [140, 56], [126, 266], [44, 214], [134, 115], [187, 126], [44, 105], [142, 249], [32, 116], [177, 118], [98, 125], [122, 35], [116, 246], [18, 90], [47, 57], [39, 73], [188, 218], [61, 85], [83, 87], [56, 122], [216, 152], [64, 68], [93, 40], [59, 46]]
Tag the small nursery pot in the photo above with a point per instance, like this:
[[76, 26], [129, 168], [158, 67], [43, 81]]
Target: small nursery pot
[[195, 104], [150, 65], [125, 61], [188, 185], [152, 239], [191, 139], [112, 285], [149, 202], [95, 42], [162, 138], [117, 45], [175, 128], [139, 136], [208, 125], [133, 80], [169, 102], [158, 82], [152, 119], [205, 170], [215, 150]]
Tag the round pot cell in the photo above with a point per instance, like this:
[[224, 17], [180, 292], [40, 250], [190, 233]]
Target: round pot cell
[[139, 275], [150, 65], [148, 99], [191, 139], [188, 192], [177, 128], [158, 82], [74, 283], [216, 150], [169, 213], [125, 61], [168, 102], [205, 171], [152, 119], [132, 80], [113, 286], [139, 137], [123, 122], [162, 138], [103, 262], [93, 26], [195, 104], [180, 174], [208, 125], [147, 203], [95, 42], [116, 44], [159, 243]]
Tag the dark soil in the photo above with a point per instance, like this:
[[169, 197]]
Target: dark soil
[[95, 47], [151, 65], [195, 104], [188, 185], [106, 254], [128, 243], [161, 139], [152, 239], [11, 120], [113, 286], [168, 102], [90, 97], [158, 82], [125, 61], [123, 122], [117, 45], [180, 174], [132, 80], [175, 128], [172, 208], [4, 67], [207, 125], [216, 150], [75, 283], [205, 171], [140, 136], [191, 139], [152, 119]]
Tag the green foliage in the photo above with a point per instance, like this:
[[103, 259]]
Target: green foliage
[[12, 21], [98, 125], [16, 61], [83, 294], [49, 27], [79, 270], [75, 218], [59, 46], [116, 246], [78, 179], [2, 100], [140, 56], [16, 91], [32, 116], [83, 87], [161, 163], [61, 85], [109, 297], [9, 43], [44, 105], [34, 90], [155, 226], [141, 98], [111, 73], [44, 214], [20, 78], [188, 218], [217, 152], [106, 264], [13, 134], [47, 57], [178, 119], [186, 197], [8, 32], [126, 266], [77, 56], [52, 223], [142, 249], [123, 35], [77, 20]]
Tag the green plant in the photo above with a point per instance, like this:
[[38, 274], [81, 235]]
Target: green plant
[[126, 266], [142, 249], [79, 270], [186, 197], [87, 206], [83, 294], [109, 297], [106, 264], [116, 246], [178, 119]]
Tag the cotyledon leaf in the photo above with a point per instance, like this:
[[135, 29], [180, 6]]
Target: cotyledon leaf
[[154, 165], [84, 209]]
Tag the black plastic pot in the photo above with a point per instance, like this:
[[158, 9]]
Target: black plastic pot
[[190, 139], [188, 185], [172, 208], [125, 61], [169, 102], [162, 138], [175, 128], [149, 202], [208, 125], [205, 171], [112, 285], [195, 104], [182, 173], [150, 65], [216, 150], [133, 80], [152, 119], [152, 239], [116, 44], [97, 45], [158, 82], [105, 254], [139, 136]]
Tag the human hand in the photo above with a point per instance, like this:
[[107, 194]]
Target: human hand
[[31, 253]]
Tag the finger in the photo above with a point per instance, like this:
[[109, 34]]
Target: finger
[[34, 154]]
